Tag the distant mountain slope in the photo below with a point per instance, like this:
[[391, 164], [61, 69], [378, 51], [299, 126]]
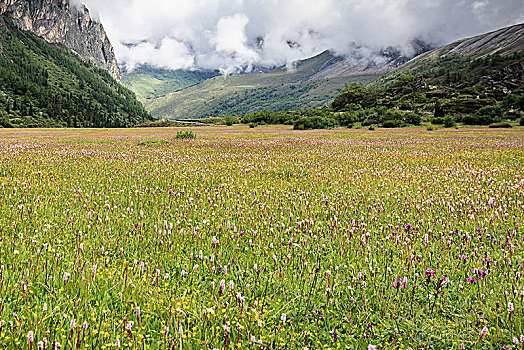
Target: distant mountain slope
[[475, 81], [378, 63], [278, 89], [149, 83], [47, 85], [503, 42], [58, 21], [312, 83]]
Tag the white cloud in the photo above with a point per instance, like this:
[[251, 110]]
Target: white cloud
[[233, 34]]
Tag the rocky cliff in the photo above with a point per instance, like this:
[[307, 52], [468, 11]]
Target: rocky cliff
[[58, 21]]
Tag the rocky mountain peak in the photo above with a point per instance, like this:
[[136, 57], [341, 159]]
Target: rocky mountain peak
[[59, 21]]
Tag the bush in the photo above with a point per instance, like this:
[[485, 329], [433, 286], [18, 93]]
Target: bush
[[413, 119], [500, 126], [393, 123], [313, 122], [252, 125], [449, 122], [437, 121], [371, 128], [186, 135], [521, 123], [230, 120], [429, 128]]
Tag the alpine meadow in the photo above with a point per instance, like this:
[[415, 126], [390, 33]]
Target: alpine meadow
[[335, 174]]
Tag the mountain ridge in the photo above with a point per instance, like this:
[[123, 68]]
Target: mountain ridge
[[59, 21]]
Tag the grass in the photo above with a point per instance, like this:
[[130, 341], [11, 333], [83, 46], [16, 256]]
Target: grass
[[261, 237]]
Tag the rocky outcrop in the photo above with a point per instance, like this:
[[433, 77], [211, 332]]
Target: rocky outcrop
[[58, 21]]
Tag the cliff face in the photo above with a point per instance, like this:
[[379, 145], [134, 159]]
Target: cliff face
[[57, 21]]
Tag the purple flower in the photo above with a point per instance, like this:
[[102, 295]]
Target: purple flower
[[430, 272]]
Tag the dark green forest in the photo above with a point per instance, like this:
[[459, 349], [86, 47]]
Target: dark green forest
[[45, 85]]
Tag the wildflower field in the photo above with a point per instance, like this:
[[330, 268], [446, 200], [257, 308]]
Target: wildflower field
[[262, 238]]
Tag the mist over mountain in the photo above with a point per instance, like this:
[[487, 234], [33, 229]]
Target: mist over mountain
[[235, 35]]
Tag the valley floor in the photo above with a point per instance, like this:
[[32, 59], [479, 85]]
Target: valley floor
[[262, 238]]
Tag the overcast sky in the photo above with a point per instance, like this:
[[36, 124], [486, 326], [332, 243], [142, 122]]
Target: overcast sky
[[230, 34]]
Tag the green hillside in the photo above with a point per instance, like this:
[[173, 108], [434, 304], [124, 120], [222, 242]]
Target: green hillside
[[279, 89], [474, 81], [44, 85], [149, 83]]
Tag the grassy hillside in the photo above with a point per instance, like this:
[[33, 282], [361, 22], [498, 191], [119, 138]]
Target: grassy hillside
[[149, 83], [240, 94], [44, 85]]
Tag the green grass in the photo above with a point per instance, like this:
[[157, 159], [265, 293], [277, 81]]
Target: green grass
[[290, 239]]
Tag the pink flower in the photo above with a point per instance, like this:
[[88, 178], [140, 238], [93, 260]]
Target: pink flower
[[484, 332], [430, 272], [511, 308], [30, 337]]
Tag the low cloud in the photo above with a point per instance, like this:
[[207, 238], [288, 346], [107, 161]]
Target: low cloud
[[234, 35]]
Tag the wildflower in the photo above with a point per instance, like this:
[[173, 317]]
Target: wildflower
[[462, 346], [372, 347], [66, 276], [430, 272], [30, 337], [44, 307], [484, 332], [72, 324], [40, 345], [515, 341], [231, 285], [84, 326], [129, 326], [283, 318], [117, 343], [222, 286], [166, 330], [511, 307]]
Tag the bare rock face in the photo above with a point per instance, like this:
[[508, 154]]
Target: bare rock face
[[58, 21]]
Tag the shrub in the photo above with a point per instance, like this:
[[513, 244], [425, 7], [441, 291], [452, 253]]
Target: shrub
[[230, 120], [521, 123], [429, 128], [252, 125], [449, 122], [500, 126], [437, 121], [371, 128], [393, 123], [413, 119], [186, 135], [313, 122]]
